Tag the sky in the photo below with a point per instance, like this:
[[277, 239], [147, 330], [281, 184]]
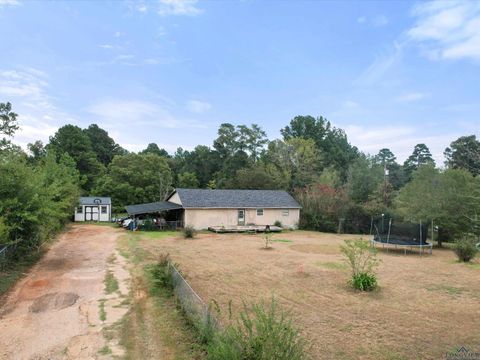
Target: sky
[[390, 73]]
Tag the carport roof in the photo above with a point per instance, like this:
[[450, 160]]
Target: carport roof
[[149, 208]]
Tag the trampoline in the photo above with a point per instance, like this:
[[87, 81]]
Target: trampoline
[[388, 234]]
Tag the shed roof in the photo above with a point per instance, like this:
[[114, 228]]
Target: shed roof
[[223, 199], [95, 200], [149, 208]]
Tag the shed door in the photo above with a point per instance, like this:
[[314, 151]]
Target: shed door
[[241, 216], [91, 213]]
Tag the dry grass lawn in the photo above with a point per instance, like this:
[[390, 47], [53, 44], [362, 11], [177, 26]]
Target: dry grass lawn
[[425, 306]]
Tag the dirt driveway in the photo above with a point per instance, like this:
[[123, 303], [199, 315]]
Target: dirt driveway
[[54, 312]]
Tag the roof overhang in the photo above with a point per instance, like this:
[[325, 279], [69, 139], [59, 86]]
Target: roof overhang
[[151, 208]]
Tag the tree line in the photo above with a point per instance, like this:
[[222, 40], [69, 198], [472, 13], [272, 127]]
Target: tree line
[[338, 186]]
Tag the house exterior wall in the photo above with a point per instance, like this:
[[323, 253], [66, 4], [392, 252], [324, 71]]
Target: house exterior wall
[[80, 216], [203, 218]]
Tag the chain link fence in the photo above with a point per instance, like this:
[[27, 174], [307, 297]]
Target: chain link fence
[[195, 309]]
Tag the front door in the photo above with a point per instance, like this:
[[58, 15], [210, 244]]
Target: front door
[[241, 216], [91, 213]]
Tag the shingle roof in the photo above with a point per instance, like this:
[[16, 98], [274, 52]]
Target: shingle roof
[[151, 207], [93, 200], [221, 199]]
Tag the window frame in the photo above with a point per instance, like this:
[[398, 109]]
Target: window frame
[[260, 211], [79, 208], [285, 212], [102, 208]]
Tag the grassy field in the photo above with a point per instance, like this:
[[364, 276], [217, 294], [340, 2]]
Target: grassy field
[[425, 306]]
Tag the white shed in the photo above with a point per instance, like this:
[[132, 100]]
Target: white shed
[[93, 208]]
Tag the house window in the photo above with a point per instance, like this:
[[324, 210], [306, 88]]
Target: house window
[[104, 209], [259, 212], [79, 209], [285, 212]]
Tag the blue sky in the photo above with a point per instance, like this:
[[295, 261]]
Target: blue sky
[[391, 73]]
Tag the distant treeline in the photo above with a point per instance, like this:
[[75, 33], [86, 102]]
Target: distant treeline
[[338, 186]]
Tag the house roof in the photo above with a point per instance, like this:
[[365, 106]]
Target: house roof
[[94, 200], [222, 199], [149, 208]]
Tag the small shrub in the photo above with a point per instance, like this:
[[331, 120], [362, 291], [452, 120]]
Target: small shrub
[[262, 333], [267, 238], [364, 281], [278, 223], [362, 259], [189, 232], [160, 274], [465, 250]]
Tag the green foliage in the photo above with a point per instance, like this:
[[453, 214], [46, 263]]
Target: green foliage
[[329, 141], [36, 200], [259, 176], [278, 223], [135, 179], [8, 124], [420, 156], [466, 249], [264, 332], [322, 207], [362, 259], [464, 153], [364, 281], [187, 180], [189, 232], [153, 148], [72, 140], [103, 145], [160, 275]]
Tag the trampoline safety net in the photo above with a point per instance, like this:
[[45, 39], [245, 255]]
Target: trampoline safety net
[[387, 230]]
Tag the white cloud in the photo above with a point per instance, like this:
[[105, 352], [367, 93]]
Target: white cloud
[[349, 104], [134, 113], [178, 7], [9, 3], [412, 96], [399, 139], [106, 46], [377, 21], [38, 117], [361, 19], [381, 65], [448, 29], [380, 21], [198, 107]]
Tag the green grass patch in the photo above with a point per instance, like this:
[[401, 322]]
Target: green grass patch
[[111, 283], [102, 314], [105, 350], [450, 290], [282, 240], [473, 265], [155, 235], [332, 265]]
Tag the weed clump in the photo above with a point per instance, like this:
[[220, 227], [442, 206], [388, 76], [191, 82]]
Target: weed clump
[[262, 333], [189, 232]]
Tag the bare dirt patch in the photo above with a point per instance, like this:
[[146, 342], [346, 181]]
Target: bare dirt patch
[[426, 305], [53, 301], [52, 313]]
